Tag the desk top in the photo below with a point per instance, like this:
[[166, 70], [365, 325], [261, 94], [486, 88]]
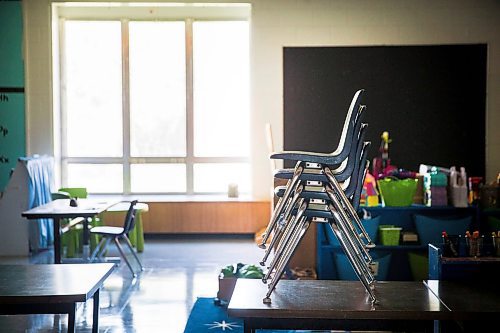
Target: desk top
[[335, 299], [51, 282], [61, 209], [468, 300]]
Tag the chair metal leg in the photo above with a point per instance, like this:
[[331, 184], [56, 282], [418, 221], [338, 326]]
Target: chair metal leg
[[336, 186], [281, 204], [354, 257], [346, 225], [118, 245], [364, 277], [303, 225], [99, 248], [278, 232], [287, 236], [127, 241]]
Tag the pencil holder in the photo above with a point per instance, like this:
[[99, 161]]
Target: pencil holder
[[474, 246], [496, 246], [451, 246]]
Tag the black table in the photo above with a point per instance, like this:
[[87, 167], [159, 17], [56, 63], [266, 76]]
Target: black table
[[45, 289], [335, 304], [345, 305], [61, 209], [475, 305]]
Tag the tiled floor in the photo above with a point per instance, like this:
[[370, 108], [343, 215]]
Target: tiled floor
[[177, 271]]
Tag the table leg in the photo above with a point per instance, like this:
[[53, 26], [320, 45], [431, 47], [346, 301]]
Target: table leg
[[86, 245], [71, 318], [247, 328], [95, 316], [57, 240]]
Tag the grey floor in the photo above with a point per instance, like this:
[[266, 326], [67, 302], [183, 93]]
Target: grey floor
[[177, 271]]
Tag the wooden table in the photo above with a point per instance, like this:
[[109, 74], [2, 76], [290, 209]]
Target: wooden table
[[476, 305], [32, 289], [335, 304], [61, 209], [345, 305]]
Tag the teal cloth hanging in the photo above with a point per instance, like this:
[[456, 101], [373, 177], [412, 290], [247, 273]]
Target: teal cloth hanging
[[40, 170]]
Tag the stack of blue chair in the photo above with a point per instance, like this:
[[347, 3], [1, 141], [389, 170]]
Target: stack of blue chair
[[322, 188]]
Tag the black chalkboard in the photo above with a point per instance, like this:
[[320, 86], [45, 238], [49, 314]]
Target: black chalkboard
[[431, 99]]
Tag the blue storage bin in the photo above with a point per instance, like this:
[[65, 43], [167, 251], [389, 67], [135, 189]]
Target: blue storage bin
[[346, 272], [430, 229], [371, 226]]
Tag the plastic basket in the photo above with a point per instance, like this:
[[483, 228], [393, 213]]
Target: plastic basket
[[430, 229], [419, 265], [381, 260], [397, 192], [389, 235], [370, 225]]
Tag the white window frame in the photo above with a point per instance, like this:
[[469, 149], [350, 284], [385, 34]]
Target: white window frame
[[126, 12]]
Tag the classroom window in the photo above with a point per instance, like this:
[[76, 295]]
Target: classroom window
[[155, 106]]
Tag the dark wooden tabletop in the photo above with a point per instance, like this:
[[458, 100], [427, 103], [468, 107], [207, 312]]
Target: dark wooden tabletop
[[21, 284], [468, 300], [61, 209], [334, 299]]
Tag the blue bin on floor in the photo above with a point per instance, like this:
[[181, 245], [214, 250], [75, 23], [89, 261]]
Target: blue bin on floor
[[430, 229], [370, 225], [381, 261]]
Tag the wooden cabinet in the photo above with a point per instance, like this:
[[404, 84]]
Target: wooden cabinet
[[194, 217]]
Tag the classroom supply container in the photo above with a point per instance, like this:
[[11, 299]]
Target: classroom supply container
[[397, 192], [389, 235]]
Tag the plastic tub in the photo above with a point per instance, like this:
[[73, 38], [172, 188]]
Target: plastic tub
[[371, 227], [397, 192], [389, 235], [381, 261], [419, 266], [430, 229]]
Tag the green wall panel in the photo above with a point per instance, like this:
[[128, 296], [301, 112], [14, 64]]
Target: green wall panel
[[12, 138], [12, 117], [11, 38]]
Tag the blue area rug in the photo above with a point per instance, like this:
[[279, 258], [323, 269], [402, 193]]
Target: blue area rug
[[208, 317]]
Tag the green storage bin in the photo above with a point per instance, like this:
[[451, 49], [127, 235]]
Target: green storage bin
[[389, 235], [419, 265], [397, 192]]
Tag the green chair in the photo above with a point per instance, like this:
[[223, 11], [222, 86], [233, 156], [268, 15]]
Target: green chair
[[76, 234], [75, 192], [69, 239]]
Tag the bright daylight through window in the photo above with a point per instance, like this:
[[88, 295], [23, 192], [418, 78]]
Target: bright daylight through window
[[155, 106]]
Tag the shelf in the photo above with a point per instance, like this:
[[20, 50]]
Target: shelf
[[469, 260], [384, 247], [407, 261]]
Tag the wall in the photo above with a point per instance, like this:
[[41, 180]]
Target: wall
[[12, 115], [281, 23]]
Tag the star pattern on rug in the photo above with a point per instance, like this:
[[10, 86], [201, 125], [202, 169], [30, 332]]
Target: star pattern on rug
[[222, 325]]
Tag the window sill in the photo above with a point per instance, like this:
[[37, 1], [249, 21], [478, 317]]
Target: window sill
[[177, 198]]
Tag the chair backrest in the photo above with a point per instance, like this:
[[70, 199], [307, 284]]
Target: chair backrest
[[349, 124], [75, 192], [129, 221], [354, 154]]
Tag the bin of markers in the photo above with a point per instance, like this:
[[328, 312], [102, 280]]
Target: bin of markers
[[450, 245], [474, 244], [496, 243]]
